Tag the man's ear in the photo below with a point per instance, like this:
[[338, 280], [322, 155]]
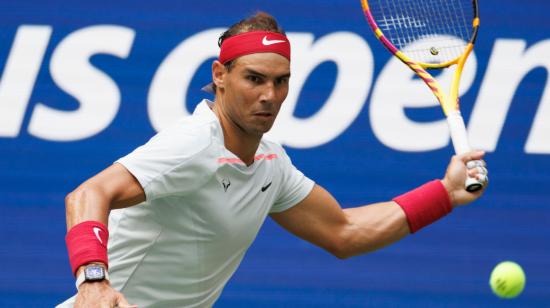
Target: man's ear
[[218, 74]]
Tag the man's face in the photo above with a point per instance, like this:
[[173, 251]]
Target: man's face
[[254, 90]]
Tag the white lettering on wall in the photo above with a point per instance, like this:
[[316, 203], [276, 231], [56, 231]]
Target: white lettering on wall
[[395, 90], [510, 62], [20, 71], [166, 101], [354, 76], [97, 94]]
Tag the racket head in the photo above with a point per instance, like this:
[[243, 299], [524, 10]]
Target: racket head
[[432, 33]]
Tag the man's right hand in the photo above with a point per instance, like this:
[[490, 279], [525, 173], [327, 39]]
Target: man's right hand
[[100, 294], [455, 177]]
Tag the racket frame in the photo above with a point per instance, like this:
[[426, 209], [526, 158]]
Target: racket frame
[[449, 102]]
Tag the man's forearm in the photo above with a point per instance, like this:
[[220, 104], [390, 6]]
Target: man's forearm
[[85, 204], [87, 212], [374, 226]]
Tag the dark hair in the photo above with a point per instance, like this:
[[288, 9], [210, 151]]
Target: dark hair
[[261, 21]]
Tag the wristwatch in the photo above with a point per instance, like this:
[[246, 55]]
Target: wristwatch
[[92, 272]]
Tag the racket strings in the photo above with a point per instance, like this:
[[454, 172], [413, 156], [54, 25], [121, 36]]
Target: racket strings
[[431, 31]]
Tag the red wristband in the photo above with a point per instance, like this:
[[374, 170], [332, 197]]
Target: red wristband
[[425, 204], [87, 242]]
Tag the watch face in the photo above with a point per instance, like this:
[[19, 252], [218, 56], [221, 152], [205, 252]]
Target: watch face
[[94, 273]]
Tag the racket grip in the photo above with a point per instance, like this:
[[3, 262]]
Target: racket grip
[[461, 145]]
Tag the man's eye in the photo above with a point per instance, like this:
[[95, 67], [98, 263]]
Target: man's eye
[[254, 79], [282, 80]]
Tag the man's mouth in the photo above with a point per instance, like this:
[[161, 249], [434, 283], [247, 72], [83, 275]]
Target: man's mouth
[[264, 114]]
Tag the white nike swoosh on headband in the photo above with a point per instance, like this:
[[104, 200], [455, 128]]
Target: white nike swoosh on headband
[[267, 42], [96, 232]]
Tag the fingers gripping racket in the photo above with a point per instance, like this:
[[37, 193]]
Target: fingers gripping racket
[[430, 34]]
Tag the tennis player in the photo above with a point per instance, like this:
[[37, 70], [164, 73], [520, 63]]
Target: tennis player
[[183, 209]]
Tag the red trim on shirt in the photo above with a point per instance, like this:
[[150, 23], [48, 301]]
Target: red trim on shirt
[[233, 160]]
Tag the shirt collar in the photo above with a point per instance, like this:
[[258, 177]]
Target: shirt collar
[[204, 108]]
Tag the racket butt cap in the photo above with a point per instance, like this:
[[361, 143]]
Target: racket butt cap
[[473, 185]]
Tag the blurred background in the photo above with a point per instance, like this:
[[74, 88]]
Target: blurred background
[[83, 83]]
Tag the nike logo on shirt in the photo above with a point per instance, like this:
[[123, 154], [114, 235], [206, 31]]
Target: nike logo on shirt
[[264, 188], [267, 42], [96, 232]]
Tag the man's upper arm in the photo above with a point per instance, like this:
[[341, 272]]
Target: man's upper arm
[[318, 219], [119, 185]]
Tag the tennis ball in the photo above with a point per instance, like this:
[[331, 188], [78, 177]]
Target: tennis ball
[[507, 279]]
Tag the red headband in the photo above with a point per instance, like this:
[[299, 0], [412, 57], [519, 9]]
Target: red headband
[[254, 42]]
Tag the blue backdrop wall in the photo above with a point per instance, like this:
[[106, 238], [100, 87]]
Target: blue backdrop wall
[[84, 83]]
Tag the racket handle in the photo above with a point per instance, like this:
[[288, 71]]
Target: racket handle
[[461, 145]]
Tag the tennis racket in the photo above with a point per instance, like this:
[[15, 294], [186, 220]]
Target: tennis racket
[[431, 34]]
